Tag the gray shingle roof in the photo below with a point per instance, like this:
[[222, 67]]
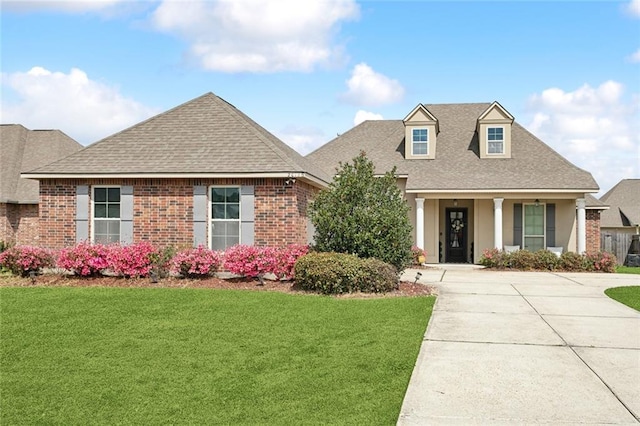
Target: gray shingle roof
[[206, 135], [594, 204], [22, 149], [457, 166], [624, 204]]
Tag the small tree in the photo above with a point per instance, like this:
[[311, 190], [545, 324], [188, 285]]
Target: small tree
[[362, 214]]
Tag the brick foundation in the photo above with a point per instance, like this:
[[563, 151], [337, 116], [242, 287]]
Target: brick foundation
[[19, 223], [163, 210], [593, 230]]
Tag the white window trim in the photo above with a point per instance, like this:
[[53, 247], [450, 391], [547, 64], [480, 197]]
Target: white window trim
[[427, 142], [92, 213], [210, 213], [503, 140], [544, 224]]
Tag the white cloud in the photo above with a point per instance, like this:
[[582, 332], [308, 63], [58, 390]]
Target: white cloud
[[593, 127], [633, 8], [369, 88], [634, 57], [363, 115], [302, 139], [86, 110], [258, 36]]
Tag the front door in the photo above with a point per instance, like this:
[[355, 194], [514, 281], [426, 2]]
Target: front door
[[456, 239]]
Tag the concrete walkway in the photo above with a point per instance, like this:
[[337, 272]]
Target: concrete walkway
[[525, 348]]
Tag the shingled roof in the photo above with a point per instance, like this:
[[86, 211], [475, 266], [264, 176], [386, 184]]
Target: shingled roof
[[205, 137], [22, 149], [457, 165], [624, 205]]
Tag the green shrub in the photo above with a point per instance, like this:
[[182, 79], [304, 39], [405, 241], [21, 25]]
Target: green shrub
[[494, 258], [573, 262], [364, 214], [545, 260], [523, 260], [337, 273]]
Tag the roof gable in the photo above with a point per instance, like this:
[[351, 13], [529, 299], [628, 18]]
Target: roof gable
[[496, 112], [22, 149], [624, 202], [204, 136]]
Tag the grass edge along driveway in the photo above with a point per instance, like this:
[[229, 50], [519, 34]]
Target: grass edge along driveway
[[629, 295], [112, 355]]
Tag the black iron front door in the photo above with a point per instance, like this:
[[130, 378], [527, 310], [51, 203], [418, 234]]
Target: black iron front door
[[456, 240]]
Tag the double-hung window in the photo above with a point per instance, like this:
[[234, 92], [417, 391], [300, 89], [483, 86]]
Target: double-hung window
[[225, 217], [495, 140], [106, 215], [534, 226], [420, 142]]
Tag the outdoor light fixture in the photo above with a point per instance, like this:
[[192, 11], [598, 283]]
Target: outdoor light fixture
[[537, 202], [455, 202], [290, 181], [418, 275]]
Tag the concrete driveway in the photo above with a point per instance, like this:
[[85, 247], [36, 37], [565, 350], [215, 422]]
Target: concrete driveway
[[526, 348]]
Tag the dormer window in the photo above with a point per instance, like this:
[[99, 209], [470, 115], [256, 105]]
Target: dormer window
[[495, 140], [421, 130], [420, 142]]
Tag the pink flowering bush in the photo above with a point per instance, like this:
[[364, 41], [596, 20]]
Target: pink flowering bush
[[85, 259], [250, 261], [196, 262], [416, 254], [21, 260], [286, 259], [135, 260], [601, 262]]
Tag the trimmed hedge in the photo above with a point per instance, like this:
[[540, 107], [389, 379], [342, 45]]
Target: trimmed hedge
[[544, 260], [338, 273]]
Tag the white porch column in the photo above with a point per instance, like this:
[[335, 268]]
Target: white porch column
[[582, 226], [497, 223], [420, 222]]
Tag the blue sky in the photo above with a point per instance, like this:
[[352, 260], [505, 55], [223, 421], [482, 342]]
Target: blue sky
[[307, 70]]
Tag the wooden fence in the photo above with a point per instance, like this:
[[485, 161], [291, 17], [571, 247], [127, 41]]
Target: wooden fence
[[615, 242]]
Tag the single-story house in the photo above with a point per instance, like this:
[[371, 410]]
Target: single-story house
[[622, 219], [23, 149], [202, 173], [475, 179]]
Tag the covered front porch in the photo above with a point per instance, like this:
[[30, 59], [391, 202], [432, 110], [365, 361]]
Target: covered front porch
[[457, 227]]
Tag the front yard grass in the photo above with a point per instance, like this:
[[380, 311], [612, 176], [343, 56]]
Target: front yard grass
[[627, 269], [629, 296], [194, 356]]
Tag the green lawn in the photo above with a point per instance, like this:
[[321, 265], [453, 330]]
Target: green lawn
[[630, 296], [627, 270], [149, 356]]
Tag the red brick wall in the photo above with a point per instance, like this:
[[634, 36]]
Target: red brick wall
[[19, 223], [593, 230], [163, 209]]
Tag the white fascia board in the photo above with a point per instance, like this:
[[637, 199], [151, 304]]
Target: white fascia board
[[492, 191]]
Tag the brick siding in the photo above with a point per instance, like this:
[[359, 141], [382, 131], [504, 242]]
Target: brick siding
[[163, 209], [593, 230], [19, 223]]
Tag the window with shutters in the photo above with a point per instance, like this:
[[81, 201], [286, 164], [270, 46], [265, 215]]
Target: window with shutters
[[534, 227], [225, 216], [106, 214]]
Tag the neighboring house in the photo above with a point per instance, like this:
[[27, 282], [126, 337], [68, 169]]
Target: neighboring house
[[475, 179], [202, 173], [622, 219], [23, 149]]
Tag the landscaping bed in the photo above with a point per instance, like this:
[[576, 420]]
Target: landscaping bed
[[59, 280]]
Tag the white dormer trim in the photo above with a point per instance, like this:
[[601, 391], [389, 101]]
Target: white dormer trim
[[496, 105], [425, 111]]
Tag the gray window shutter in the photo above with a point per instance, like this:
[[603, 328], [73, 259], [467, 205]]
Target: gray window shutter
[[199, 215], [82, 213], [517, 225], [247, 216], [126, 214], [551, 225]]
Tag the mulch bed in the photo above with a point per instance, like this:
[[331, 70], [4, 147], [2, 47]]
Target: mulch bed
[[406, 289]]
